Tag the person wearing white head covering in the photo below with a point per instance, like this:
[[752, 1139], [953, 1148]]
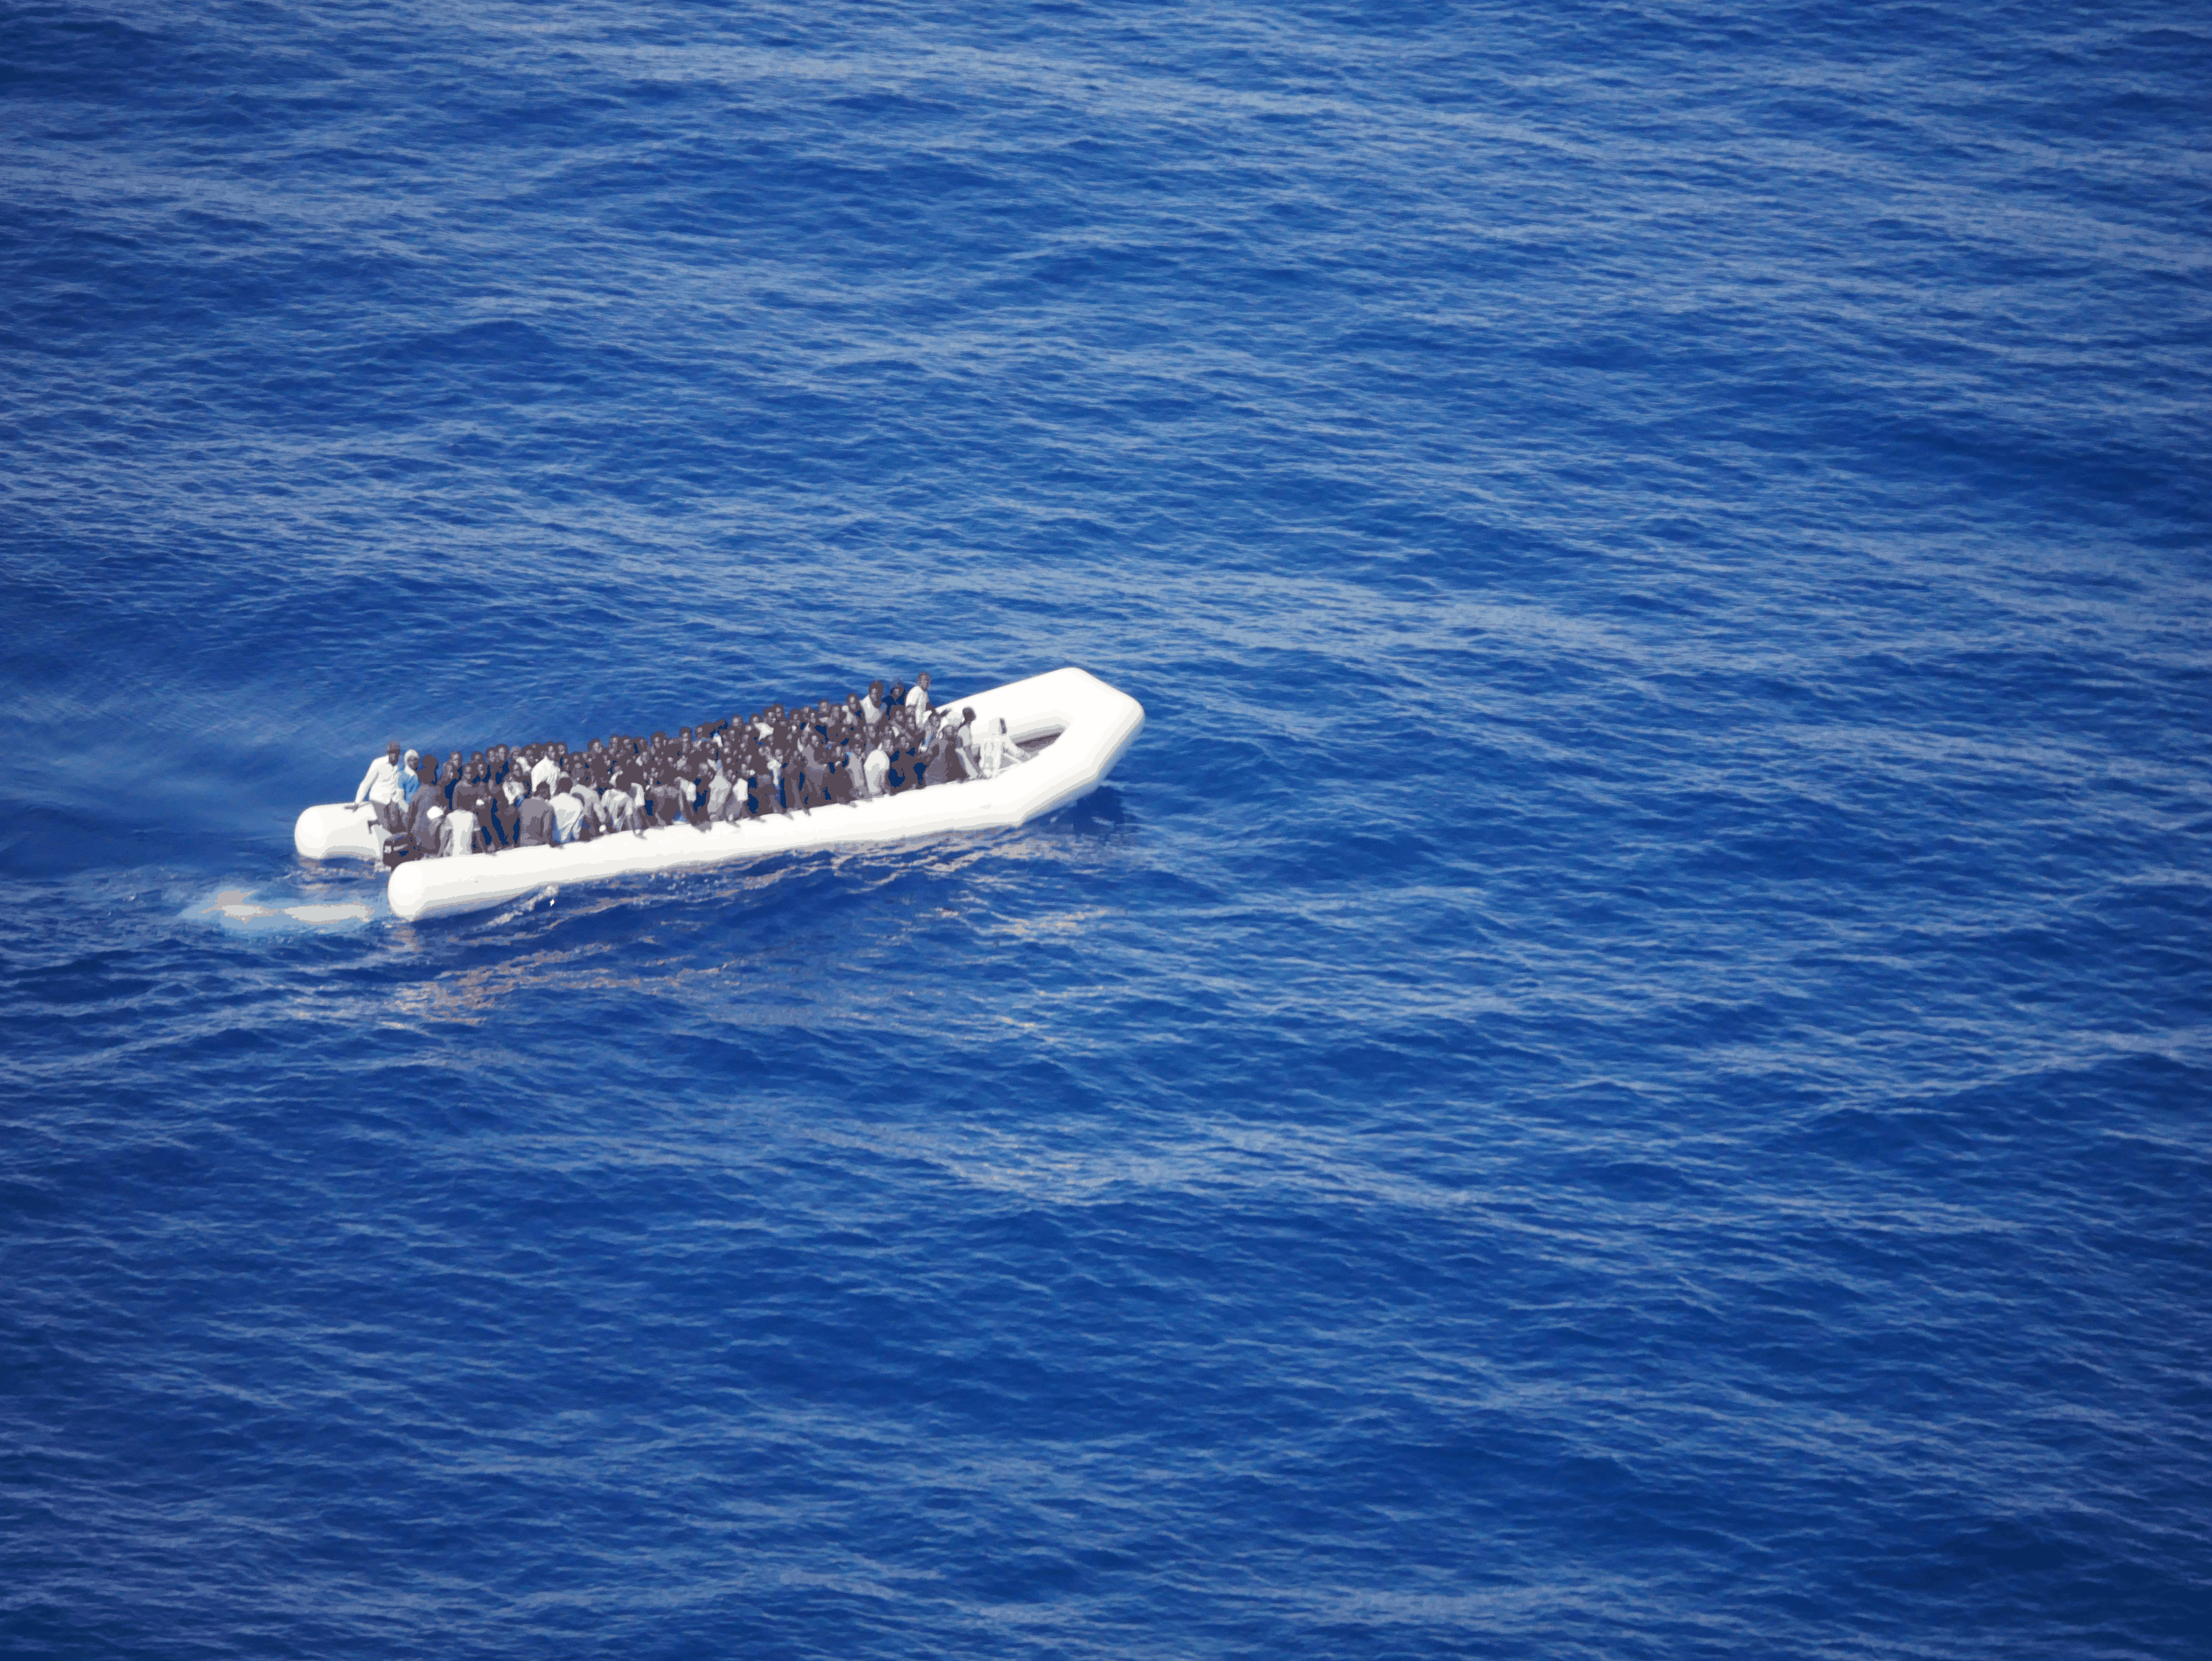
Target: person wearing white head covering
[[999, 750]]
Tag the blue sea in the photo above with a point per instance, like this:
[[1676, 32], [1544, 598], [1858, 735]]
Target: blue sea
[[1624, 1070]]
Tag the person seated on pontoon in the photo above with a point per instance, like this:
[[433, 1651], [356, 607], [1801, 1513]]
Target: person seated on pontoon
[[618, 807], [572, 820], [734, 803], [905, 767], [535, 820], [946, 763], [875, 771], [661, 797], [460, 833]]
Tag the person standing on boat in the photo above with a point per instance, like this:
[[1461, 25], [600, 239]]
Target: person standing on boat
[[381, 783], [918, 699]]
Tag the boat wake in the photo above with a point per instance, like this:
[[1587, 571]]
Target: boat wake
[[241, 909]]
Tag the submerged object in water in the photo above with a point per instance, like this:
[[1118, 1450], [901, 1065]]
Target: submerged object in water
[[1071, 725]]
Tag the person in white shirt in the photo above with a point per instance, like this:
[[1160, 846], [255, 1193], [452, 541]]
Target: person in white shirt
[[459, 834], [919, 698], [871, 707], [877, 769], [572, 820], [547, 771], [381, 783]]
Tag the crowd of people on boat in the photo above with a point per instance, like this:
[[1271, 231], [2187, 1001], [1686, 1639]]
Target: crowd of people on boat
[[776, 760]]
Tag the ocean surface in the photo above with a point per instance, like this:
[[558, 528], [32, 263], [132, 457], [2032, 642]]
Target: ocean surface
[[1624, 1070]]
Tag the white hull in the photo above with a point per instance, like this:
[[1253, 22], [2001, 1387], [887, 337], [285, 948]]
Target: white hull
[[1094, 722]]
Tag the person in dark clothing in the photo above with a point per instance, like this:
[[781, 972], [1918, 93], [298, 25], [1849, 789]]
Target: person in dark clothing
[[944, 763], [426, 822], [536, 818], [905, 775], [732, 807], [691, 797], [421, 828], [471, 797]]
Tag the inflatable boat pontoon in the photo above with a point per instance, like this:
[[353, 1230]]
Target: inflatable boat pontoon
[[1073, 726]]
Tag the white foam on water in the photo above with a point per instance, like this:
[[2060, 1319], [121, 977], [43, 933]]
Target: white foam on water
[[239, 908]]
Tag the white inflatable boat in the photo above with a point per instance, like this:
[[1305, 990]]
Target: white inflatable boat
[[1071, 725]]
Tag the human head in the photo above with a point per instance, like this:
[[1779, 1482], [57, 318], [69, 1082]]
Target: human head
[[392, 752], [923, 681], [544, 791]]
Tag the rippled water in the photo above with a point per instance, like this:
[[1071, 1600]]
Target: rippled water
[[1620, 1072]]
